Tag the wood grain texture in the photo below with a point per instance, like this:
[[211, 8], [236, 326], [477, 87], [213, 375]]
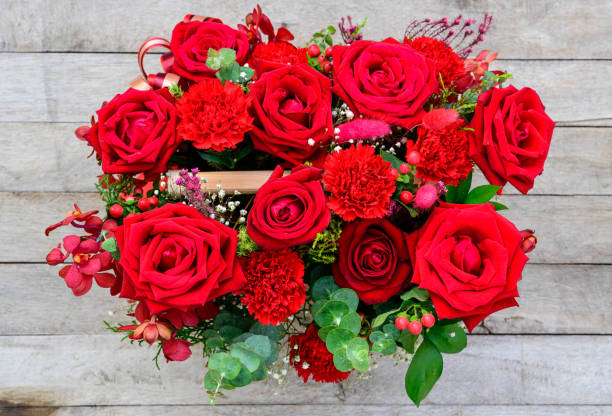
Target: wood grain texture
[[71, 87], [310, 410], [579, 161], [570, 229], [584, 289], [85, 370], [542, 29]]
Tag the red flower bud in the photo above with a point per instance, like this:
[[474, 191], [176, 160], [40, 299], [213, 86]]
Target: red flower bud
[[56, 256], [529, 240]]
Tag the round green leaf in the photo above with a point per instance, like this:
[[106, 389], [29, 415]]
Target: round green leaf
[[215, 360], [323, 332], [352, 322], [317, 306], [229, 332], [324, 287], [338, 339], [230, 367], [377, 336], [425, 369], [384, 346], [222, 319], [271, 331], [331, 313], [341, 361], [391, 330], [212, 379], [357, 351], [250, 359], [271, 359], [449, 339], [260, 372], [347, 295], [216, 342], [260, 344], [243, 378]]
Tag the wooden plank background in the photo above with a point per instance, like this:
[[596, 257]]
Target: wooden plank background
[[61, 59]]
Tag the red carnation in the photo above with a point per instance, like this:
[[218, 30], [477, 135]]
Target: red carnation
[[273, 55], [444, 153], [448, 63], [274, 289], [214, 115], [360, 183], [309, 356]]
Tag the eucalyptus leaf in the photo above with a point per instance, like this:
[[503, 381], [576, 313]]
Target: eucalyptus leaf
[[358, 351], [341, 361], [391, 330], [425, 369], [229, 332], [347, 295], [212, 379], [227, 56], [260, 344], [415, 293], [243, 378], [352, 322], [249, 358], [384, 346], [338, 339], [323, 332], [324, 288], [331, 313], [271, 331]]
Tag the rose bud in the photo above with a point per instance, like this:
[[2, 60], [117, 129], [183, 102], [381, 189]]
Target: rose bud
[[529, 240]]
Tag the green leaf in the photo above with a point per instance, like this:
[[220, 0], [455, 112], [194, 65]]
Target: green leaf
[[243, 378], [216, 158], [331, 29], [331, 313], [338, 339], [222, 319], [271, 331], [323, 332], [229, 332], [271, 359], [216, 342], [425, 369], [384, 346], [317, 305], [215, 360], [415, 293], [110, 245], [227, 366], [227, 56], [481, 194], [352, 322], [391, 330], [324, 288], [407, 341], [260, 372], [212, 379], [329, 40], [342, 362], [498, 206], [249, 358], [246, 73], [357, 352], [449, 339], [347, 295], [461, 191], [260, 344], [390, 157], [376, 336], [213, 60]]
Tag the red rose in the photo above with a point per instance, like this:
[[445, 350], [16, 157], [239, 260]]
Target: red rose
[[289, 210], [135, 132], [469, 258], [292, 107], [269, 56], [175, 257], [190, 43], [511, 137], [386, 80], [373, 260]]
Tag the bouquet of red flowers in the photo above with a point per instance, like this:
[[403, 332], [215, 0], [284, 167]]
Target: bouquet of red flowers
[[309, 207]]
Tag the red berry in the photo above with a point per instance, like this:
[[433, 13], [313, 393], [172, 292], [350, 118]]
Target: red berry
[[401, 322], [328, 51], [415, 327], [116, 211], [406, 197], [327, 67], [130, 215], [321, 59], [314, 51], [153, 201], [404, 168], [138, 191], [394, 173], [413, 157], [144, 204], [428, 320]]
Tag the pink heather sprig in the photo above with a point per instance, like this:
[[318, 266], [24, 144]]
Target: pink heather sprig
[[351, 33], [216, 205], [458, 33]]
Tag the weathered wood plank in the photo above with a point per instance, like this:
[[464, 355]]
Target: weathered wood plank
[[309, 410], [522, 29], [70, 87], [570, 229], [579, 162], [511, 370], [585, 309]]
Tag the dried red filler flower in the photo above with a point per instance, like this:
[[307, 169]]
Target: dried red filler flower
[[444, 154], [274, 289], [213, 115], [360, 183], [448, 63], [310, 357]]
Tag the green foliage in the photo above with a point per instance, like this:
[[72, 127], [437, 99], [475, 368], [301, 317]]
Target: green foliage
[[176, 91], [467, 102], [410, 298], [224, 62], [323, 288], [227, 159], [110, 245], [462, 194], [325, 246], [246, 245], [423, 372], [449, 339], [111, 192]]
